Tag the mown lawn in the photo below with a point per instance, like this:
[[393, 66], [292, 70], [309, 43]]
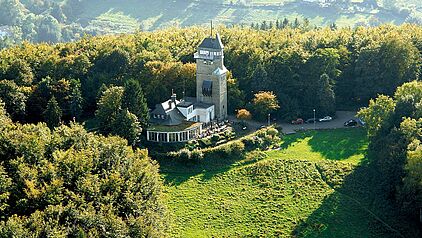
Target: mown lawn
[[347, 145], [302, 190]]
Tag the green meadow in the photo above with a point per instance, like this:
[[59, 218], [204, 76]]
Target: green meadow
[[318, 184]]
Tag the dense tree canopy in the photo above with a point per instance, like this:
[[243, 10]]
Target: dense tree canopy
[[70, 183], [114, 112], [395, 128], [326, 69]]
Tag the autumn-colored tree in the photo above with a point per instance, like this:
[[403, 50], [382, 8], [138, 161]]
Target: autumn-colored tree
[[264, 103], [243, 114], [359, 63]]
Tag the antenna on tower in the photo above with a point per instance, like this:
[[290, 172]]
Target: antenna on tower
[[211, 28], [184, 88]]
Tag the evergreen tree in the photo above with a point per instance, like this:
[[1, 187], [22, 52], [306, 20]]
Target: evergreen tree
[[235, 96], [285, 23], [53, 113], [127, 126], [326, 96], [76, 100], [264, 25], [260, 80], [296, 23], [100, 92], [306, 23], [134, 100]]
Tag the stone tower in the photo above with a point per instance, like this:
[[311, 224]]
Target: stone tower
[[211, 75]]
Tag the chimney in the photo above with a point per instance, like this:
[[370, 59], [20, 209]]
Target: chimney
[[173, 98]]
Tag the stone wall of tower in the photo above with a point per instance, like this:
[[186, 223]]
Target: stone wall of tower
[[205, 71]]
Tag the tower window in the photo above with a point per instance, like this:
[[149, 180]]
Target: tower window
[[207, 88]]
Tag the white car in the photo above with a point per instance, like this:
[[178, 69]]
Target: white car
[[326, 118]]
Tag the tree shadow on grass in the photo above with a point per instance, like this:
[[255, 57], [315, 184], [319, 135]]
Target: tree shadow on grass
[[334, 146], [359, 207], [289, 140], [177, 172], [340, 145]]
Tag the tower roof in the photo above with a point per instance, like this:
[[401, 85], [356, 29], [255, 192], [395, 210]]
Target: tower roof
[[212, 43]]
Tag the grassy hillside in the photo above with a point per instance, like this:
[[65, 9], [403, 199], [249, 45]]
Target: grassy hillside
[[151, 15], [317, 185]]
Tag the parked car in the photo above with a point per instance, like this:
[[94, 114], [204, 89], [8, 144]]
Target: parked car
[[326, 118], [351, 122], [297, 121], [261, 127], [311, 120], [361, 122]]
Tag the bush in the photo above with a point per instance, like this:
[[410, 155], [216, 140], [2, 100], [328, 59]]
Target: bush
[[185, 155], [235, 149], [196, 155], [272, 132], [262, 139], [252, 142], [215, 138]]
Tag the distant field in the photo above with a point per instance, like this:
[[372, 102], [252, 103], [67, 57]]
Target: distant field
[[317, 185], [128, 15]]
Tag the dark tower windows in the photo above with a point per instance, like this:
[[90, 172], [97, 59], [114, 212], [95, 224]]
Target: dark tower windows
[[207, 88]]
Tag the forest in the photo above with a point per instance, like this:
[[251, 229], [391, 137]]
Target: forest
[[395, 133], [69, 20], [111, 81], [326, 69]]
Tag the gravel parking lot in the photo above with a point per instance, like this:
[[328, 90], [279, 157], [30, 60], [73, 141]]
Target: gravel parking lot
[[337, 122]]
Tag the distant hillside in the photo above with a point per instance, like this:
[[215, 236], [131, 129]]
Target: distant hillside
[[68, 20], [155, 14]]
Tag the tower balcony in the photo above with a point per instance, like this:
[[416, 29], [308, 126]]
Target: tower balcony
[[204, 57]]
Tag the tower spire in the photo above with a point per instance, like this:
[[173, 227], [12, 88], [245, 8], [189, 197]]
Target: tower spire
[[211, 28]]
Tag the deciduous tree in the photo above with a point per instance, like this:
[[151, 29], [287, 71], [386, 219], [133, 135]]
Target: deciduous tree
[[264, 103], [109, 108], [243, 114]]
